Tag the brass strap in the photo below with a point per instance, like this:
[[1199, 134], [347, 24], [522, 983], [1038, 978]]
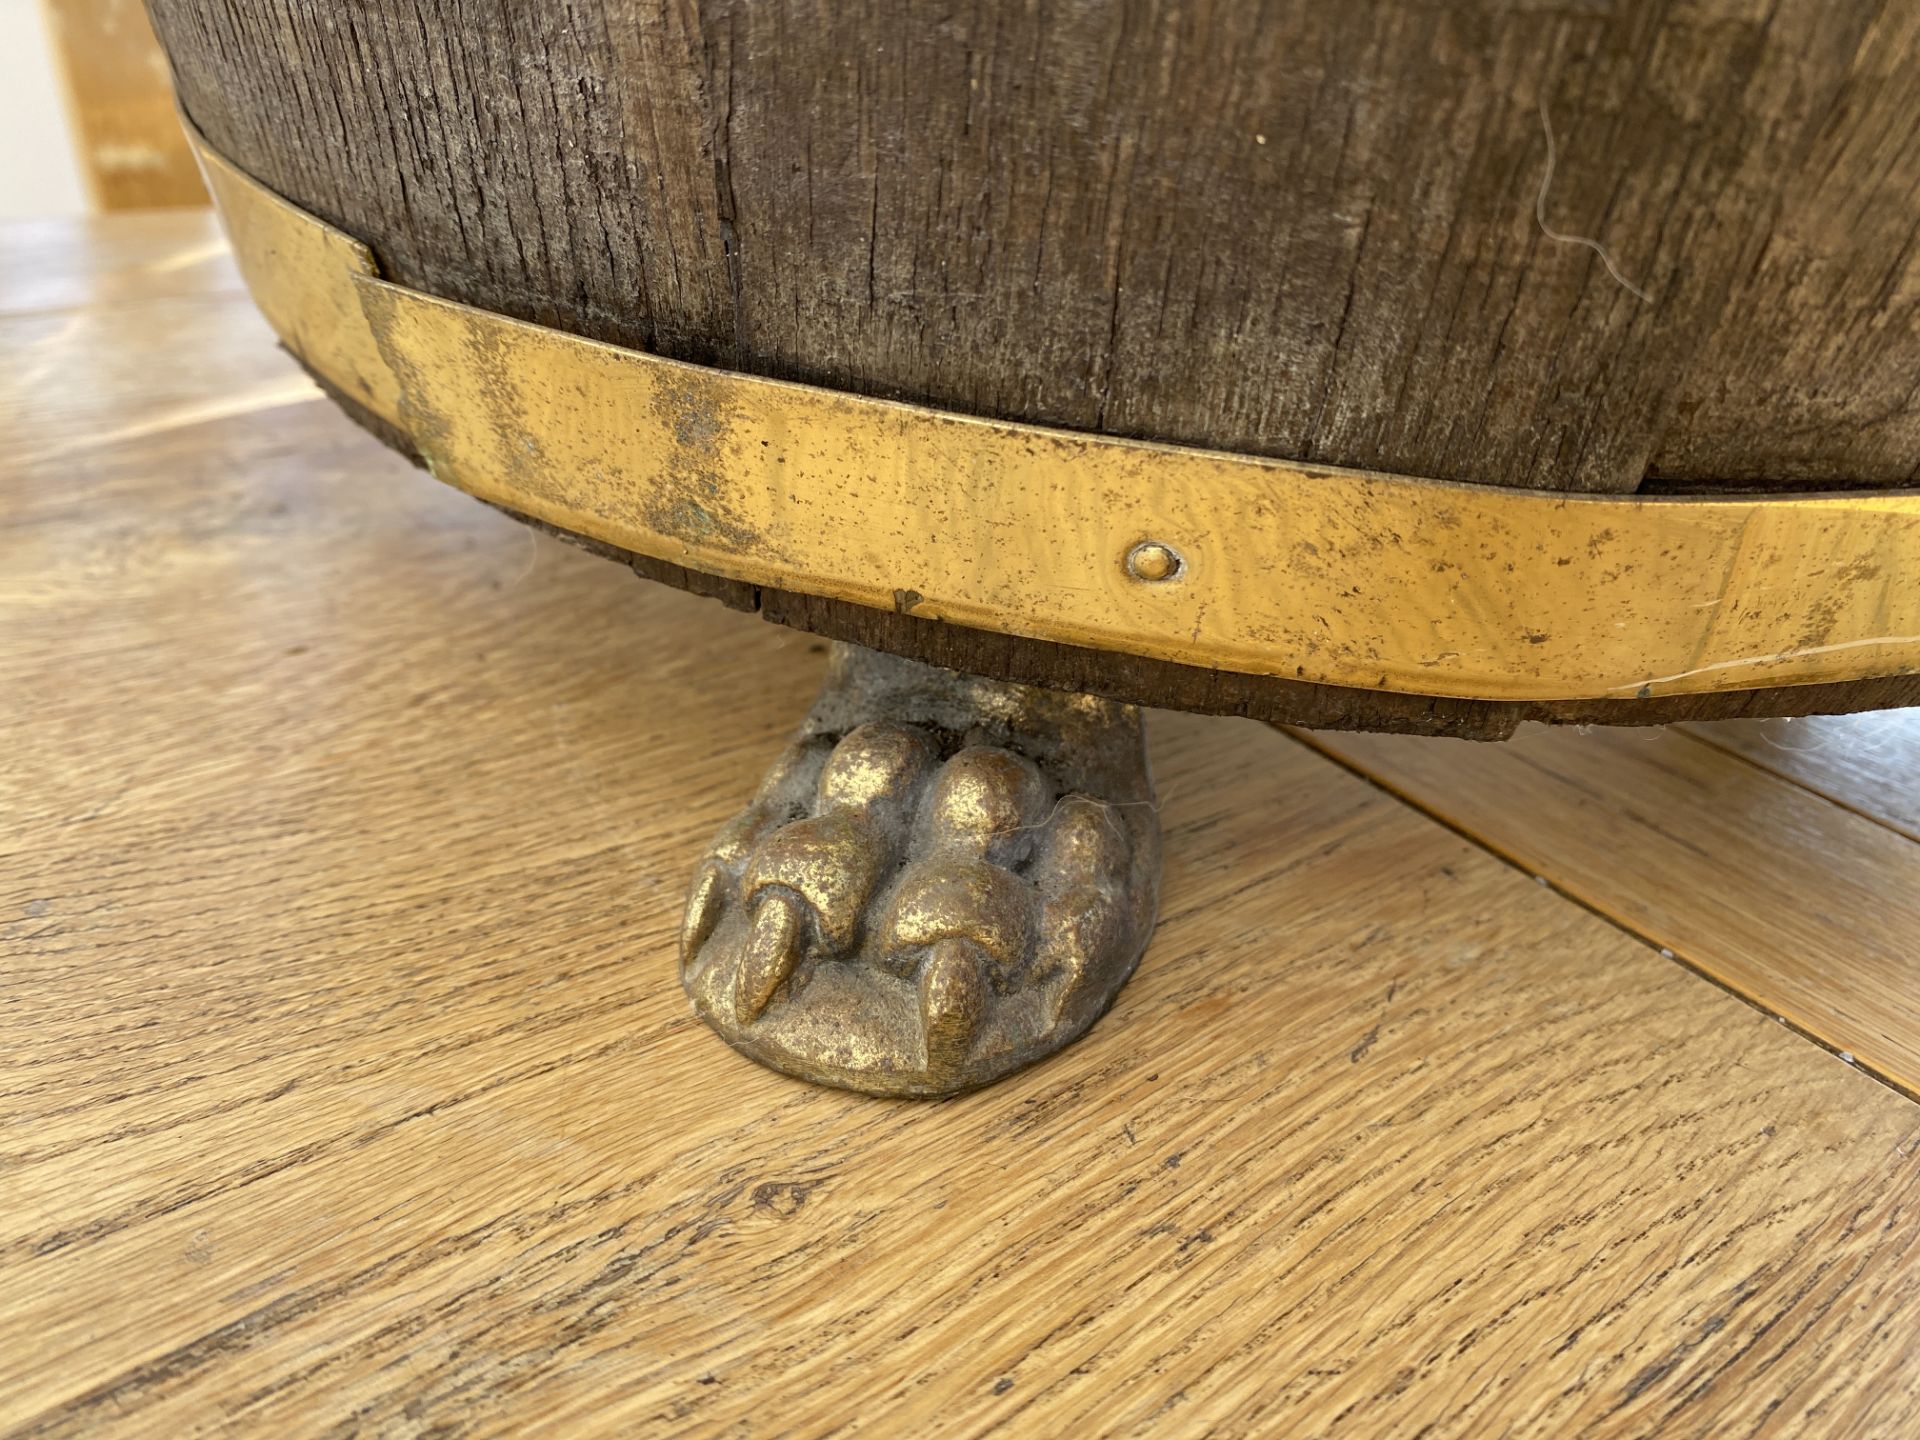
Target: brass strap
[[1234, 562]]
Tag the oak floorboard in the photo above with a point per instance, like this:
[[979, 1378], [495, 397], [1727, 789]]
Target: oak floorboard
[[1803, 906], [64, 264], [1869, 763]]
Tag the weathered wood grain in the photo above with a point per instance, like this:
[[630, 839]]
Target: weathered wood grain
[[1808, 908], [345, 1083], [1313, 231]]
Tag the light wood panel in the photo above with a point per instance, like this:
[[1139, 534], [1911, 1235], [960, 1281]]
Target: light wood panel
[[1869, 763], [94, 379], [345, 1082], [61, 264], [120, 94], [1810, 910]]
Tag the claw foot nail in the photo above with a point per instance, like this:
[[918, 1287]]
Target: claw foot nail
[[772, 948], [952, 999], [703, 909]]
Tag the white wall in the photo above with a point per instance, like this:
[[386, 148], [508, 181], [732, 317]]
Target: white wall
[[38, 176]]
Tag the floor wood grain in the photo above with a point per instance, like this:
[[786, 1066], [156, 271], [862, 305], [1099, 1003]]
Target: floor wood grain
[[1869, 763], [66, 264], [1805, 906], [346, 1086]]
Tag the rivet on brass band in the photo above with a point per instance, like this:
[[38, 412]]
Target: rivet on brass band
[[1343, 577], [1152, 561]]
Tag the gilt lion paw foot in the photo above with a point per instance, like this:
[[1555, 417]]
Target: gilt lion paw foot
[[943, 878]]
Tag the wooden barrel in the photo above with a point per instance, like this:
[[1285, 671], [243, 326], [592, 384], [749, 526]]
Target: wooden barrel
[[1667, 254]]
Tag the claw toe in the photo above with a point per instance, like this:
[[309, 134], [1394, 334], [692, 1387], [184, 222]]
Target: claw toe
[[771, 951], [704, 904], [953, 995], [875, 768], [1087, 842], [832, 861], [785, 783], [967, 900], [1081, 926], [987, 801]]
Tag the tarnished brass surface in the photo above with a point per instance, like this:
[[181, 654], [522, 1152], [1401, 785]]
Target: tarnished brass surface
[[1233, 562], [943, 878]]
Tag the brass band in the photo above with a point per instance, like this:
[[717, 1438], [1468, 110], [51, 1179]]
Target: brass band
[[1233, 562]]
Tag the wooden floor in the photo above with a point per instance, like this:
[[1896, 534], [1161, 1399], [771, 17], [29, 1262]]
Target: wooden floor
[[346, 1086]]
